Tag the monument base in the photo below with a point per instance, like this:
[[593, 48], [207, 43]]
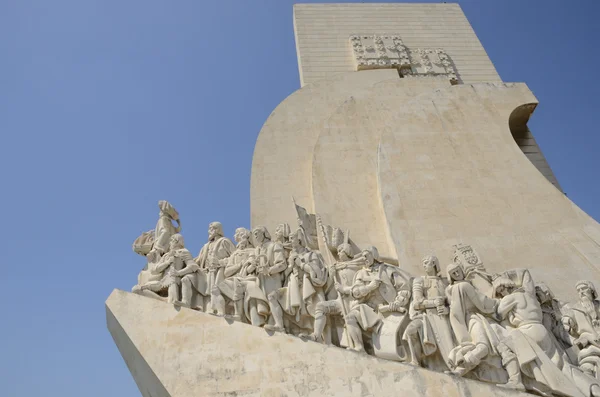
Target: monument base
[[178, 352]]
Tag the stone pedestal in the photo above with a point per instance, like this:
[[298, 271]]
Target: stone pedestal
[[178, 352]]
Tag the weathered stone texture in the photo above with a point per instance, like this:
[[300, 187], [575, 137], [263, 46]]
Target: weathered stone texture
[[181, 353]]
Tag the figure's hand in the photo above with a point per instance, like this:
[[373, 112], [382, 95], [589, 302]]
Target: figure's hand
[[375, 283], [339, 288], [442, 310], [265, 271]]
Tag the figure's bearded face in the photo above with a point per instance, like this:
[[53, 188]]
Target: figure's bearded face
[[585, 292], [213, 232]]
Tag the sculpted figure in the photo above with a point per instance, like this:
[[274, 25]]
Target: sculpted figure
[[429, 330], [579, 323], [242, 284], [343, 270], [552, 310], [304, 287], [225, 291], [158, 239], [471, 329], [197, 286], [376, 286], [168, 270], [341, 273], [282, 236], [269, 262], [588, 304], [537, 356], [164, 227]]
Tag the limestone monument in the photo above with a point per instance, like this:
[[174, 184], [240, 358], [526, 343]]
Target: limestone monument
[[428, 249]]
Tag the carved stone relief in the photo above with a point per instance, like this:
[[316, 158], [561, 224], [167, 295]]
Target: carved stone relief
[[499, 328], [384, 51]]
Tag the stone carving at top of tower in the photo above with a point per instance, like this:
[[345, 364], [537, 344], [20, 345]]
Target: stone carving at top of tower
[[384, 51], [499, 328]]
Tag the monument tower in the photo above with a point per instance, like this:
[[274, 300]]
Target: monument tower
[[401, 142]]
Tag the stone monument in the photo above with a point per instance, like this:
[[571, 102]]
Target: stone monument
[[402, 142]]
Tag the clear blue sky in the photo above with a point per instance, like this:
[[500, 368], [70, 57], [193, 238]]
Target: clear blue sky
[[108, 106]]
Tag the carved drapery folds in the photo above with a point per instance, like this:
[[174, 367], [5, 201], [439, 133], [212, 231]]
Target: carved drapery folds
[[384, 51], [312, 282]]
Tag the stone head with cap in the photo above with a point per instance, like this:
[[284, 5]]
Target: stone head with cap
[[344, 252], [455, 273], [371, 255], [586, 289], [261, 234], [431, 265], [503, 286], [176, 242], [282, 232]]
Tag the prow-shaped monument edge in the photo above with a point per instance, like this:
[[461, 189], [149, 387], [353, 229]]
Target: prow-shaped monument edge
[[177, 352]]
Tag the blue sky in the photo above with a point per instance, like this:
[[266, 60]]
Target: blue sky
[[108, 106]]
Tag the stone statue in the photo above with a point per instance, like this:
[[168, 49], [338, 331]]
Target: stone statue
[[269, 262], [336, 305], [578, 321], [226, 289], [197, 286], [242, 284], [552, 310], [536, 355], [168, 270], [164, 227], [471, 329], [429, 330], [588, 304], [304, 290], [282, 236], [158, 239], [497, 328], [374, 285]]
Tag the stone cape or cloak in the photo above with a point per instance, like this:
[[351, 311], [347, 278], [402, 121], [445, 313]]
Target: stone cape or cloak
[[247, 284], [537, 366], [168, 275], [470, 327], [392, 281], [435, 332], [465, 301], [585, 330], [162, 233], [272, 255], [304, 290], [159, 282], [223, 249]]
